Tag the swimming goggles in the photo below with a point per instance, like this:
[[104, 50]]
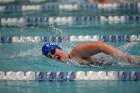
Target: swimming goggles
[[52, 52]]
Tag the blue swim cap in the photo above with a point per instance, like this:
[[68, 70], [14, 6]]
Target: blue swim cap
[[48, 47]]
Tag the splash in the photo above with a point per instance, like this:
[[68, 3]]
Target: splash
[[60, 32], [36, 51], [126, 47]]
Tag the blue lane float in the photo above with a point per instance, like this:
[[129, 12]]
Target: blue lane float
[[104, 38], [60, 76], [50, 7], [112, 38], [117, 38], [44, 39], [123, 76], [12, 8], [70, 76], [88, 6], [22, 1], [6, 40], [133, 75], [125, 38], [129, 75], [44, 76], [54, 76], [52, 39], [50, 76], [128, 6]]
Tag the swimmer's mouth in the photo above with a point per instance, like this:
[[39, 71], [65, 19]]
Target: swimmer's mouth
[[57, 57]]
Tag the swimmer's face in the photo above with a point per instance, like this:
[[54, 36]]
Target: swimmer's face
[[57, 54]]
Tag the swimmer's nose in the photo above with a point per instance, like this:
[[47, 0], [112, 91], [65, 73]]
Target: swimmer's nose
[[56, 56], [53, 56]]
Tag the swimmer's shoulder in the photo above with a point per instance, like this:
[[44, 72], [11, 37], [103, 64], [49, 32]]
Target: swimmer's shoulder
[[73, 52]]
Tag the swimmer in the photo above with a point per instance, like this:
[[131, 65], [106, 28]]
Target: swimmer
[[85, 53]]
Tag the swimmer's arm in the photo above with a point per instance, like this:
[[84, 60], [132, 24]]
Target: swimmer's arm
[[87, 61], [83, 61], [78, 58], [93, 58]]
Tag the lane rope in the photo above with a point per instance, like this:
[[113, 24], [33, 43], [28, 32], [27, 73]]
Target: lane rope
[[71, 20], [68, 7], [73, 38], [70, 76]]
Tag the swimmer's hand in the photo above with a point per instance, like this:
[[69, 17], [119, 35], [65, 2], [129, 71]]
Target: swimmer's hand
[[136, 60], [102, 63]]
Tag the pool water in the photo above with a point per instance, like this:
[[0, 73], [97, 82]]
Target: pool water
[[71, 87], [27, 56]]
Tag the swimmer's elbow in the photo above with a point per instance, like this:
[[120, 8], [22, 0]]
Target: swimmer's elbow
[[101, 46]]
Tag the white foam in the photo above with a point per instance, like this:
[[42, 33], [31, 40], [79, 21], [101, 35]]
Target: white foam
[[31, 52]]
